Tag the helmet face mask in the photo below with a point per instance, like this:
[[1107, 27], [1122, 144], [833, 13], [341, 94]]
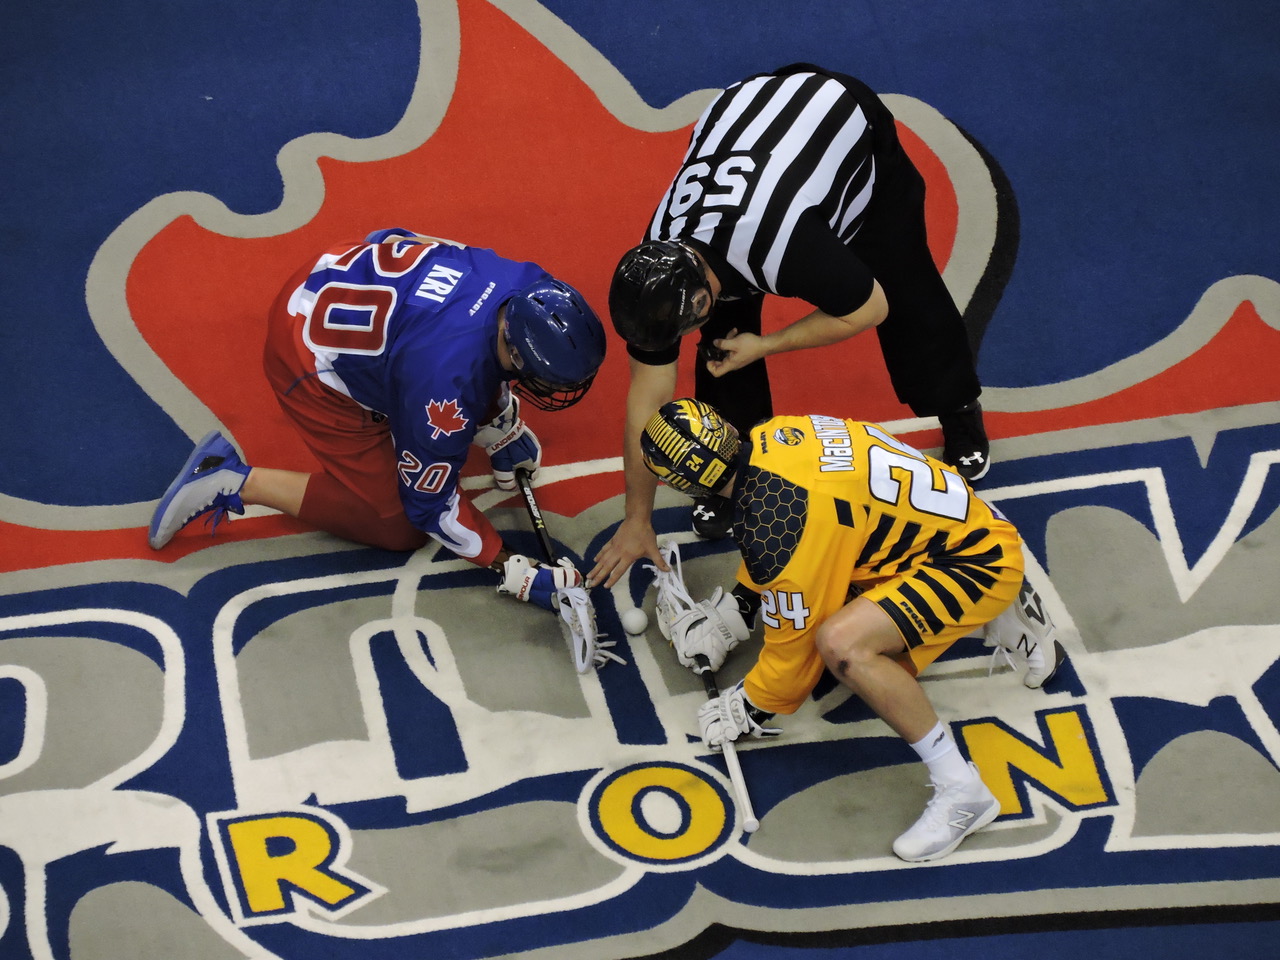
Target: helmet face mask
[[556, 343], [654, 298], [546, 395], [690, 447]]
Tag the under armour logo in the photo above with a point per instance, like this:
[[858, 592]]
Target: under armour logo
[[971, 459], [702, 513], [962, 819]]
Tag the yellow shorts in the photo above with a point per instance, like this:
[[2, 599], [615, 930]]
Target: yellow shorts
[[934, 606]]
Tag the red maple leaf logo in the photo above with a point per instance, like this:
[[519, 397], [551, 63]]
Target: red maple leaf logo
[[445, 417], [588, 160]]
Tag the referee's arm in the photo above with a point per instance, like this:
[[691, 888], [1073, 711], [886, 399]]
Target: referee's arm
[[817, 329], [652, 385]]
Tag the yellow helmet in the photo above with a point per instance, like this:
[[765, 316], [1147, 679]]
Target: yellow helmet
[[689, 446]]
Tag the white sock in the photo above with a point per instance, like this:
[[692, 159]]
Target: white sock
[[943, 758]]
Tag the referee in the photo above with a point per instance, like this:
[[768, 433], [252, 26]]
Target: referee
[[794, 184]]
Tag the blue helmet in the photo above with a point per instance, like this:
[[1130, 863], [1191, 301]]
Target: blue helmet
[[556, 342]]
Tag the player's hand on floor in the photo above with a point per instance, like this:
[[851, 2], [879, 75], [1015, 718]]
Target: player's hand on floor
[[727, 718], [710, 630], [632, 540], [535, 582]]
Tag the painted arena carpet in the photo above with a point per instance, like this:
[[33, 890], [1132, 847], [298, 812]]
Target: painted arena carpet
[[272, 744]]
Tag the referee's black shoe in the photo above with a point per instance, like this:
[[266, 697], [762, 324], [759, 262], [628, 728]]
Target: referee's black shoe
[[964, 442], [712, 517]]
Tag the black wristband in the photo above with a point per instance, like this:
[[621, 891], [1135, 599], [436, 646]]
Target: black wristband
[[748, 604], [758, 716]]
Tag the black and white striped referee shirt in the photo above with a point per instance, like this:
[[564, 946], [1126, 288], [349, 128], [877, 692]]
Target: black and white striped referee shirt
[[777, 178]]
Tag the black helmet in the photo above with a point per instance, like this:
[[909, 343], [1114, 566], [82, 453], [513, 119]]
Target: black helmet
[[651, 297]]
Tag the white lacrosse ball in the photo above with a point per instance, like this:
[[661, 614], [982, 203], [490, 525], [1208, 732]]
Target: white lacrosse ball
[[635, 621]]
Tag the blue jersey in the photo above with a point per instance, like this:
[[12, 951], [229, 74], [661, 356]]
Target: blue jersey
[[408, 328]]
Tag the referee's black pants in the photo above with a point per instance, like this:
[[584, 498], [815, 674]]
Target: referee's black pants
[[923, 338]]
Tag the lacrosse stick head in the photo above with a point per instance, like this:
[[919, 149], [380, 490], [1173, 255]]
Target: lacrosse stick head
[[672, 600], [578, 622]]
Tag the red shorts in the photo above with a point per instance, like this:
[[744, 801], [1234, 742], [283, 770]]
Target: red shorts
[[352, 444]]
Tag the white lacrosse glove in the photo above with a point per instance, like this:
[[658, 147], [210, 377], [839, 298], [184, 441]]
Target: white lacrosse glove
[[728, 717], [711, 629], [511, 445], [531, 580]]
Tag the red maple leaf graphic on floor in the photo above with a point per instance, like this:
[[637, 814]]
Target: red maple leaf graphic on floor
[[592, 177], [445, 418], [572, 205]]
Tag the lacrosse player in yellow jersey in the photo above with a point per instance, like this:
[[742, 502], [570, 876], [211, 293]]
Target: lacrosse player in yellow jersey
[[869, 559]]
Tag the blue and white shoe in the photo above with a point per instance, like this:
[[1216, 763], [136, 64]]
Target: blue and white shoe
[[210, 480]]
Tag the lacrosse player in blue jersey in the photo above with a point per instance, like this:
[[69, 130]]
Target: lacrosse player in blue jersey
[[392, 356]]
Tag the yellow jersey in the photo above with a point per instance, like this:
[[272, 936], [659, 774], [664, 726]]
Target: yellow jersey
[[827, 508]]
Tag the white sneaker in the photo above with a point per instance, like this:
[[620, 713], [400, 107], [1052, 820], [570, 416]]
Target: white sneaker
[[1025, 632], [955, 811]]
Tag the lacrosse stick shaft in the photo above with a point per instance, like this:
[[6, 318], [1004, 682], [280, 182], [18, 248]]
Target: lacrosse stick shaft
[[535, 515], [582, 637], [749, 822]]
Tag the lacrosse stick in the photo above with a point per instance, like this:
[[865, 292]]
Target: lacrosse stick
[[672, 601], [749, 822], [672, 598], [577, 615]]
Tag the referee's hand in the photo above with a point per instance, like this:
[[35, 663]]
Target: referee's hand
[[634, 539], [739, 349]]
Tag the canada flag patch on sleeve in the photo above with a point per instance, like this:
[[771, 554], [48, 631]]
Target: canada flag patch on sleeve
[[445, 418]]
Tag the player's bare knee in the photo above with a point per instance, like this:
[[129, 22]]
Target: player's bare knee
[[825, 643], [839, 649]]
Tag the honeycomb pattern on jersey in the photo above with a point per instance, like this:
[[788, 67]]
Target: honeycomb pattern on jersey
[[768, 522]]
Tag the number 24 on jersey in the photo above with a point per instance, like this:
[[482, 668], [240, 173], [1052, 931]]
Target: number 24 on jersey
[[779, 605]]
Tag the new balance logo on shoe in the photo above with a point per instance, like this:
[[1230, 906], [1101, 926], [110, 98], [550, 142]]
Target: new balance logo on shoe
[[955, 811], [1033, 607]]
